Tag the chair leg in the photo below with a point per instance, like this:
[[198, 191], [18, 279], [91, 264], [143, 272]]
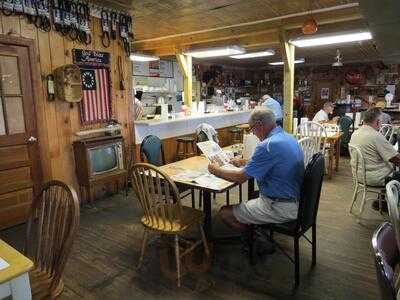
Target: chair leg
[[204, 239], [192, 195], [178, 263], [227, 197], [200, 198], [240, 193], [364, 197], [354, 198], [250, 242], [314, 244], [144, 244], [296, 262]]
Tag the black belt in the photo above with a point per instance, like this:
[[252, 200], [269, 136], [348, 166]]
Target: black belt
[[292, 200]]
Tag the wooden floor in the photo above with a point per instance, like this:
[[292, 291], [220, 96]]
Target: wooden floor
[[102, 264]]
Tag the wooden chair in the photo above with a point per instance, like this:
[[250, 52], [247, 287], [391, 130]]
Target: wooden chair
[[162, 210], [55, 213], [360, 180], [310, 147], [152, 152]]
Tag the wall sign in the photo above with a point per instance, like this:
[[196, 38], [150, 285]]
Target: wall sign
[[91, 58], [159, 68]]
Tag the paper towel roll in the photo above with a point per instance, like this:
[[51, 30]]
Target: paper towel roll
[[250, 142]]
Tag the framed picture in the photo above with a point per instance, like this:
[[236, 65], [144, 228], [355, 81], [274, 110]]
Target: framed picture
[[325, 93]]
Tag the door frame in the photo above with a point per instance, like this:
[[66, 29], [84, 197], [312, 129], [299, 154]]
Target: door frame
[[37, 175]]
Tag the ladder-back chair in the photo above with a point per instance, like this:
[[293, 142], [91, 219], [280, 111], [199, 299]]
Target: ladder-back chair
[[387, 131], [51, 230], [309, 147]]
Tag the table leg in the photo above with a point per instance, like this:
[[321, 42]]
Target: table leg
[[207, 214], [330, 162], [20, 288], [337, 158]]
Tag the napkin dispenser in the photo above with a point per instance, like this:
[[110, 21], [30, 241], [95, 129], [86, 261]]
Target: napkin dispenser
[[250, 142]]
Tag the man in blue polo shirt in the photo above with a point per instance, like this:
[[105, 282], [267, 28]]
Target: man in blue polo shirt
[[278, 166]]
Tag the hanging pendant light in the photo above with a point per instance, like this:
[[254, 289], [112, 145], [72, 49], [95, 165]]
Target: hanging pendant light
[[310, 25]]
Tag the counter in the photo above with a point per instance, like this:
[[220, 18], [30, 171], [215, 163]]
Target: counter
[[168, 128]]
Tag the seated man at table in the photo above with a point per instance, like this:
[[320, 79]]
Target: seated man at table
[[379, 154], [278, 166], [322, 116]]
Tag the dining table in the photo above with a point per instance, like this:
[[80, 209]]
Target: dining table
[[14, 273], [208, 187], [333, 140]]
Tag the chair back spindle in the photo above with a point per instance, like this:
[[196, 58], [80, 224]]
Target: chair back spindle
[[157, 194], [387, 131], [315, 131], [309, 147], [357, 165], [52, 226]]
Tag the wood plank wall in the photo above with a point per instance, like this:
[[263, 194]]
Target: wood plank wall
[[57, 121]]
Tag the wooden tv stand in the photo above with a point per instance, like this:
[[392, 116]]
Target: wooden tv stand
[[86, 180]]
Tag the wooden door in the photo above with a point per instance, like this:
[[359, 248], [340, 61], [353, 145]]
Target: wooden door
[[20, 170]]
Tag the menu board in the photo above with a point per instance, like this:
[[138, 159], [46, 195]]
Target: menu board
[[159, 68]]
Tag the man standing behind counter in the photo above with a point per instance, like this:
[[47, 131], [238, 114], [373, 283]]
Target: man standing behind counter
[[277, 165], [275, 106]]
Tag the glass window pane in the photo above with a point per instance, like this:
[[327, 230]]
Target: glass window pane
[[10, 75], [15, 115], [2, 123]]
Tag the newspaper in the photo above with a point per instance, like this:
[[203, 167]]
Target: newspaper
[[3, 264]]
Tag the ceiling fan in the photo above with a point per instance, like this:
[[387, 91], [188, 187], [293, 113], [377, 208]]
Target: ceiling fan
[[338, 59]]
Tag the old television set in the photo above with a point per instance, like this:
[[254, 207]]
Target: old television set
[[99, 159]]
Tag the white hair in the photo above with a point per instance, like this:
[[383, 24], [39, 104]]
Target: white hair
[[264, 115]]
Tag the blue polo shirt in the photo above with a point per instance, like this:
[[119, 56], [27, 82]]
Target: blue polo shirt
[[276, 108], [278, 166]]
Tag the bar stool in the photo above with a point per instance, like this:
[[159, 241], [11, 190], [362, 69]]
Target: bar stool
[[182, 147], [236, 135], [245, 127]]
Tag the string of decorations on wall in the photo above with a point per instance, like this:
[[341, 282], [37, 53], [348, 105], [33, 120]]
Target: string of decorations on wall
[[72, 19]]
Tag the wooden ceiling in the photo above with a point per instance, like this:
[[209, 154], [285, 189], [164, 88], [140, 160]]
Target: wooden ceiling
[[165, 27]]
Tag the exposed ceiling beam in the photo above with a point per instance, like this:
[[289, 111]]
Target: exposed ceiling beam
[[236, 33], [279, 18]]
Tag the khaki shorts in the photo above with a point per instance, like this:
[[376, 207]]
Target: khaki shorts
[[264, 210]]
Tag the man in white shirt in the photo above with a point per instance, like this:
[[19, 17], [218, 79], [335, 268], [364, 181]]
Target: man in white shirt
[[323, 115], [379, 154], [137, 108]]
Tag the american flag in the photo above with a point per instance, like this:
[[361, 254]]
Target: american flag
[[96, 101]]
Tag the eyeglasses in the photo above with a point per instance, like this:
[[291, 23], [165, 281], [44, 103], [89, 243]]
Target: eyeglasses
[[252, 126]]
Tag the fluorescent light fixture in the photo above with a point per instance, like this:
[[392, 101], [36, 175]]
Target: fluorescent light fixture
[[254, 54], [331, 39], [214, 52], [280, 63], [143, 57]]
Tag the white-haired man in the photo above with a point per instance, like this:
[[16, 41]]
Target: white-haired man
[[278, 166]]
